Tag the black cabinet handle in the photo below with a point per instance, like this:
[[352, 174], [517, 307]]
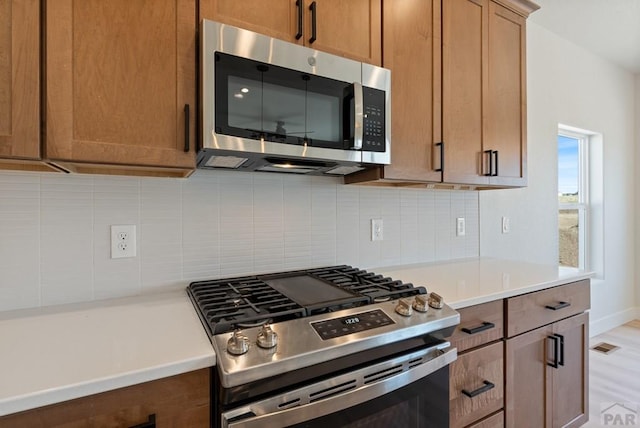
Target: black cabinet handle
[[487, 386], [560, 305], [299, 6], [555, 340], [441, 145], [490, 153], [485, 326], [561, 359], [151, 423], [495, 152], [186, 128], [312, 8]]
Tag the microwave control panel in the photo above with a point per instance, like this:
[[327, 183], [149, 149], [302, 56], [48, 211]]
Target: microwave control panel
[[373, 139]]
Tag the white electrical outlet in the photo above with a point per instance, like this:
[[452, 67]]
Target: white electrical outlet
[[376, 229], [460, 226], [123, 240], [506, 225]]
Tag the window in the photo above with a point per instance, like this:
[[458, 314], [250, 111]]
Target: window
[[573, 198]]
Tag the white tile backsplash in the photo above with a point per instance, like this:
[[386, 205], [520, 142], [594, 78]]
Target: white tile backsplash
[[54, 230]]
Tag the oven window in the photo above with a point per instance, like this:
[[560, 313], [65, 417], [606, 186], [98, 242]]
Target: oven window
[[262, 101], [423, 404]]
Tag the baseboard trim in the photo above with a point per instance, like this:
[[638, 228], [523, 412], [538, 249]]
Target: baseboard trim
[[601, 325]]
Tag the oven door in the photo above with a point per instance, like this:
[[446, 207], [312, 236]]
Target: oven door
[[406, 391]]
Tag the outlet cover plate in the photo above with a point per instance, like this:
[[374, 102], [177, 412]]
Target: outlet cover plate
[[376, 229], [506, 225], [461, 228], [123, 241]]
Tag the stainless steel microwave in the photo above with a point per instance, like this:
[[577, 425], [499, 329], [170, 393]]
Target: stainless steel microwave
[[271, 105]]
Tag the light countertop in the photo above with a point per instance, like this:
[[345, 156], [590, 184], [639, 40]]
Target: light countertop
[[55, 354], [469, 282], [49, 355]]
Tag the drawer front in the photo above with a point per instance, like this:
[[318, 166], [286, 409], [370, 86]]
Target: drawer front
[[479, 324], [476, 385], [495, 421], [533, 310]]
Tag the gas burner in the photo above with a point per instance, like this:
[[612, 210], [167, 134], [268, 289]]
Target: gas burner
[[256, 323], [245, 302]]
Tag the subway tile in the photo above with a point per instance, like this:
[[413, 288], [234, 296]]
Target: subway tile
[[56, 230], [116, 201], [324, 220], [201, 227], [268, 222], [20, 242], [66, 239], [348, 225], [236, 223], [160, 233]]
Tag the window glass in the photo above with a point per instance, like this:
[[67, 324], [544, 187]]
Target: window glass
[[571, 214]]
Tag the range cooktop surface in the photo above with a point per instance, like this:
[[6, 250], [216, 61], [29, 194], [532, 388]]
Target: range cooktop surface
[[264, 325], [227, 304]]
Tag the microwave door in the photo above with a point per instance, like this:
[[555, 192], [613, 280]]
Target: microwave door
[[353, 116]]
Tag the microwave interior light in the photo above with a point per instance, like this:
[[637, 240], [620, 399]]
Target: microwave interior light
[[225, 161], [238, 95], [244, 90], [287, 167]]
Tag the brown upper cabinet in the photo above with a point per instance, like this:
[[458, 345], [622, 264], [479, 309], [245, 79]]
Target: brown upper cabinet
[[119, 77], [458, 93], [348, 28], [20, 85]]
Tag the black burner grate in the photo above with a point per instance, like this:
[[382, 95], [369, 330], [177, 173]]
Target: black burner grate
[[225, 304]]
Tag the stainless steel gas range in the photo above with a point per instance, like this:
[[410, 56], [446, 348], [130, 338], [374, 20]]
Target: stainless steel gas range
[[334, 345]]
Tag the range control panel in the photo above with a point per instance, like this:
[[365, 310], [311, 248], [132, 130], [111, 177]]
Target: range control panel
[[338, 327]]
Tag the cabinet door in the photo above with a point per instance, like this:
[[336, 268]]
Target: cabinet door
[[20, 79], [412, 53], [527, 403], [464, 77], [348, 28], [571, 379], [119, 74], [274, 18], [506, 114], [177, 401]]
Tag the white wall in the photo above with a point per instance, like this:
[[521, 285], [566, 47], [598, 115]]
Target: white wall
[[637, 120], [568, 85], [54, 230]]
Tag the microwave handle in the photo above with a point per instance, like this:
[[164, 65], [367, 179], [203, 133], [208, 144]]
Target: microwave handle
[[358, 110]]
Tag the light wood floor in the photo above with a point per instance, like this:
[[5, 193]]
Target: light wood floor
[[614, 378]]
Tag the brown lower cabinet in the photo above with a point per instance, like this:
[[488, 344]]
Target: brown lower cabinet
[[523, 361], [547, 375], [177, 401], [495, 421], [476, 385]]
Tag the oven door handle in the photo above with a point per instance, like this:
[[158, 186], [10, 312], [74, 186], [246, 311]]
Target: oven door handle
[[249, 417]]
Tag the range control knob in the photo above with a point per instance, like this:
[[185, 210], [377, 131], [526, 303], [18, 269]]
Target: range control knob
[[267, 338], [238, 344], [436, 301], [420, 303], [404, 308]]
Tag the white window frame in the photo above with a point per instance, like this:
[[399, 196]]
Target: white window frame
[[583, 194]]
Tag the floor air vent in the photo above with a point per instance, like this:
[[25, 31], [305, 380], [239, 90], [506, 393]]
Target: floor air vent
[[605, 348]]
